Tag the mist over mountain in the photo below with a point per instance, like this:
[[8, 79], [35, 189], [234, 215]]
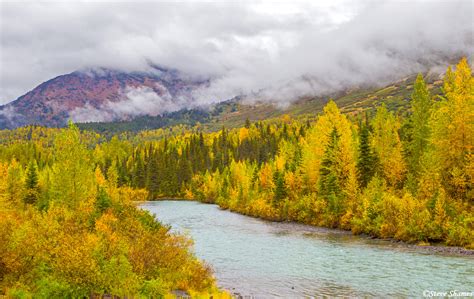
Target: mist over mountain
[[139, 100], [94, 95]]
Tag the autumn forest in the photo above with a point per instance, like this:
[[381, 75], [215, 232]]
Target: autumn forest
[[70, 226]]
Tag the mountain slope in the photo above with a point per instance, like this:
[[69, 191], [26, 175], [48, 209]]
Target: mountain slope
[[111, 101], [396, 96], [234, 113], [99, 95]]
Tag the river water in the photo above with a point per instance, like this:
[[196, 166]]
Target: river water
[[265, 259]]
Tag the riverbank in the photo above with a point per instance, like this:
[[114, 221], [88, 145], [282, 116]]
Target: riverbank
[[438, 248], [138, 202], [434, 248]]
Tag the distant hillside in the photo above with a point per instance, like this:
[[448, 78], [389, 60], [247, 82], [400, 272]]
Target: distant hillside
[[146, 122], [99, 95], [396, 96], [234, 113], [111, 101]]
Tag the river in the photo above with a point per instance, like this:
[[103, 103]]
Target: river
[[267, 259]]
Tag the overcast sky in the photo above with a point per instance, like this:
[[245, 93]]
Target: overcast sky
[[282, 50]]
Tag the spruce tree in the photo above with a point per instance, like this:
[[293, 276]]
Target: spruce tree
[[328, 180], [366, 165], [139, 177], [279, 192], [153, 175], [31, 184]]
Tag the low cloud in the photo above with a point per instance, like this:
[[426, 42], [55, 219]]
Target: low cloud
[[384, 42], [268, 51], [135, 102], [88, 113], [8, 113], [9, 117]]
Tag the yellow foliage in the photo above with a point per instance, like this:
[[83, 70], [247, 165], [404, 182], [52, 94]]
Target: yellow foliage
[[285, 118], [131, 194], [99, 177], [316, 142], [294, 183], [85, 236], [386, 142], [280, 162], [266, 177], [453, 129], [243, 134]]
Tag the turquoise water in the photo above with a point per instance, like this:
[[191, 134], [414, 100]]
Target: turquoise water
[[266, 259]]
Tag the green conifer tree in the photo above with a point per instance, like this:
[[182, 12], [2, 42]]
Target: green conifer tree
[[328, 181], [31, 184], [279, 192], [366, 165]]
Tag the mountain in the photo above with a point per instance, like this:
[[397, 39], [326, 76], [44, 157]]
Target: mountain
[[396, 96], [100, 95], [234, 113], [111, 101]]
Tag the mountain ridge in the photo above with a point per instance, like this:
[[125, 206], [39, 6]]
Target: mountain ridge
[[102, 99], [65, 97]]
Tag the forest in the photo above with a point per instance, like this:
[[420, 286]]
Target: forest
[[71, 228], [68, 230]]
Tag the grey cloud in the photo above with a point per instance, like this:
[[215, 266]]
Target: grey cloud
[[380, 44], [8, 113], [143, 100], [135, 102], [269, 51], [88, 113]]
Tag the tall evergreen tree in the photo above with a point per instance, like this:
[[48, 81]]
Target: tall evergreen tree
[[139, 176], [153, 178], [279, 192], [366, 165], [31, 184], [328, 179]]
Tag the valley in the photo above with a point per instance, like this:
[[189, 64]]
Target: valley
[[236, 149]]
